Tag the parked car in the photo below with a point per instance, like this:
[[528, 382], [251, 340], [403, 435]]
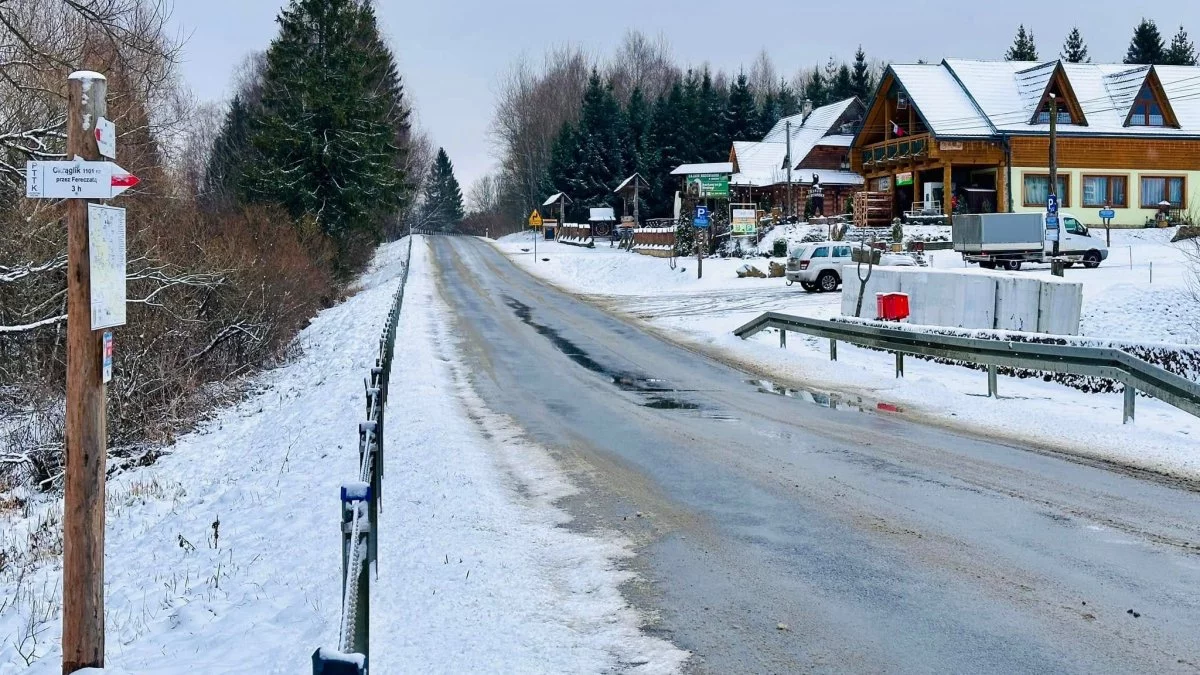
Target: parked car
[[818, 266]]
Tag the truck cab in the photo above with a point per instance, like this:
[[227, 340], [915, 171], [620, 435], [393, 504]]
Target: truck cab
[[1076, 242]]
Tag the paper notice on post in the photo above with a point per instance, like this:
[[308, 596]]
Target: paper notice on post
[[106, 254]]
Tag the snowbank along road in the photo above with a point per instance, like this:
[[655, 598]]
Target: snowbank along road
[[778, 535]]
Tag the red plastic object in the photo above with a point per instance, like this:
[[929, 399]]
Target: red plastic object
[[879, 309], [892, 306]]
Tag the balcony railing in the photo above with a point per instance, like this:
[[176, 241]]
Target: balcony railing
[[895, 151]]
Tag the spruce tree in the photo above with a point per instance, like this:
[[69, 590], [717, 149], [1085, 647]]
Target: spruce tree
[[443, 196], [1146, 47], [326, 135], [231, 154], [639, 145], [816, 91], [741, 123], [710, 129], [600, 160], [672, 140], [861, 80], [843, 85], [1074, 50], [768, 113], [1023, 47], [1182, 51]]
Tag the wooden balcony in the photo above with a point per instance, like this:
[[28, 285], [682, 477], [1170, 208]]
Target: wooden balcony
[[895, 152]]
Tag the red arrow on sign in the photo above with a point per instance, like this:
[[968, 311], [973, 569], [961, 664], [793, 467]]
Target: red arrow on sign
[[122, 182]]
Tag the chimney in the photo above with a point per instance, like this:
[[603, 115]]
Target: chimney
[[806, 109]]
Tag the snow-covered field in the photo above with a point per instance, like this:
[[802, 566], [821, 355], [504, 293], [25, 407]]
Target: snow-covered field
[[1141, 293], [223, 557]]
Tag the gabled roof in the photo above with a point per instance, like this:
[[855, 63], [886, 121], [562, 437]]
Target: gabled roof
[[554, 199], [629, 182], [961, 98], [942, 101], [821, 119]]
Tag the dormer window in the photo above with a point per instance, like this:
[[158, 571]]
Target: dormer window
[[1150, 108], [1064, 116], [1146, 110]]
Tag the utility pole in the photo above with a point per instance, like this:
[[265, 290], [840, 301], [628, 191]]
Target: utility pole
[[1056, 267], [83, 511], [788, 158]]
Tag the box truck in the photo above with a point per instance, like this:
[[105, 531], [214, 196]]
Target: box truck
[[1007, 240]]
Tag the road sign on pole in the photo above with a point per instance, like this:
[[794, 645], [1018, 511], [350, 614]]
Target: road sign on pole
[[76, 179], [701, 219], [535, 219], [1052, 204]]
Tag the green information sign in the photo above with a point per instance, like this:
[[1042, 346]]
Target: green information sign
[[711, 184]]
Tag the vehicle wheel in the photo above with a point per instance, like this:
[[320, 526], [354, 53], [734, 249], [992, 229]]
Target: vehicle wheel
[[828, 282], [788, 282], [808, 286], [1012, 265], [988, 265], [1091, 260]]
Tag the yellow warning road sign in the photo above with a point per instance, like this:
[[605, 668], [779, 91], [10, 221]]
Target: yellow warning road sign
[[535, 219]]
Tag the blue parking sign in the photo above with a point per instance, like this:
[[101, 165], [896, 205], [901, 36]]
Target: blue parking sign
[[1052, 204], [701, 219]]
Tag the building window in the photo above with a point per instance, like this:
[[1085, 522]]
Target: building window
[[1064, 117], [1036, 191], [1158, 189], [1101, 191], [1146, 111]]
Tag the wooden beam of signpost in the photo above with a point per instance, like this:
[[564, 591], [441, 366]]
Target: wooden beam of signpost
[[83, 517]]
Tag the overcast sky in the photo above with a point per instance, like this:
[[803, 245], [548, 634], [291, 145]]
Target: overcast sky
[[452, 52]]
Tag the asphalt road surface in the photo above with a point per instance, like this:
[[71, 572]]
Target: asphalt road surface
[[787, 531]]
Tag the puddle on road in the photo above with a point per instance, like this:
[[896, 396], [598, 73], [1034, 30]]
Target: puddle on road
[[656, 393], [823, 399]]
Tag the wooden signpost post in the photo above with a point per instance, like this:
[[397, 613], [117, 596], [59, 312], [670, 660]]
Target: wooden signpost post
[[95, 301]]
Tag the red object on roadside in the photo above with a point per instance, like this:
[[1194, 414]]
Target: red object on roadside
[[892, 306]]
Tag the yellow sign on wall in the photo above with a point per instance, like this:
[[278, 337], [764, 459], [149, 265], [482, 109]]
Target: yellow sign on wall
[[535, 219]]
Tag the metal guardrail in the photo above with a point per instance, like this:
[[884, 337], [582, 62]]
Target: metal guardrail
[[360, 500], [1113, 364]]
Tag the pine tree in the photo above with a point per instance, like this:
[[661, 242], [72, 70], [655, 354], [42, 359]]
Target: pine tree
[[787, 100], [843, 85], [1146, 47], [326, 134], [1074, 50], [1182, 51], [862, 82], [1023, 47], [639, 145], [741, 123], [443, 196], [673, 143], [816, 91]]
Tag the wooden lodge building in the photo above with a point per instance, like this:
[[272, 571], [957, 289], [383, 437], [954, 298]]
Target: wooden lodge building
[[820, 146], [1128, 138]]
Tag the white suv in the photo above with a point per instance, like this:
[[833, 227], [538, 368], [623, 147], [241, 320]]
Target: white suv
[[818, 266]]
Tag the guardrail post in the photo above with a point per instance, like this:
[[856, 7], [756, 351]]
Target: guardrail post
[[833, 350], [782, 338], [899, 364], [993, 389], [368, 435], [1130, 399]]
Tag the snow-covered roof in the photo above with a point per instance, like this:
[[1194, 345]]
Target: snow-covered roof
[[970, 98], [828, 177], [821, 119], [553, 199], [628, 182], [713, 167], [837, 140], [759, 163], [942, 101]]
